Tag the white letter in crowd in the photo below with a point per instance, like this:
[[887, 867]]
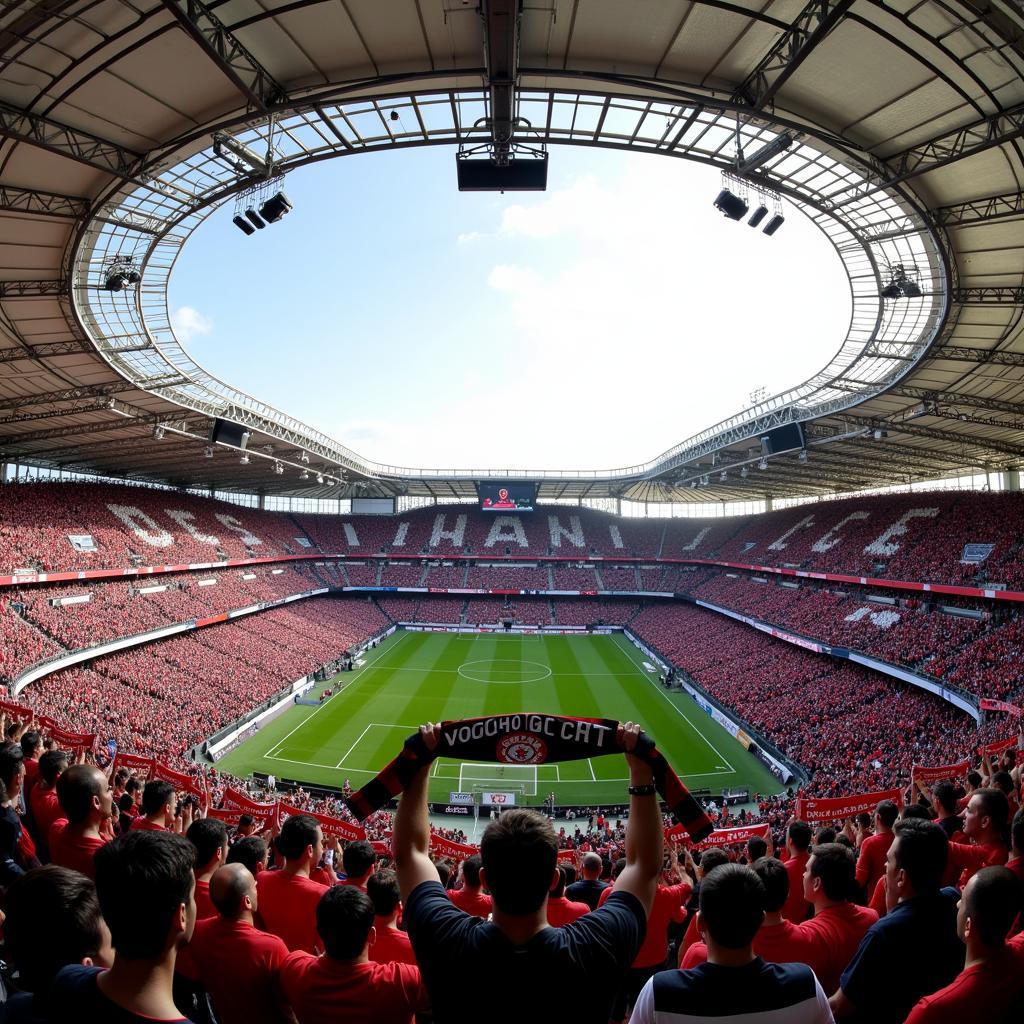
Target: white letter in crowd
[[616, 536], [830, 540], [185, 519], [883, 545], [456, 536], [780, 544], [231, 523], [400, 534], [136, 520], [698, 540], [351, 537], [506, 528], [574, 534]]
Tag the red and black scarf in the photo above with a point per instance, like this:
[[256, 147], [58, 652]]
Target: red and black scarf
[[527, 739]]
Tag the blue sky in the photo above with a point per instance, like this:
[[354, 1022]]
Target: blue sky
[[588, 327]]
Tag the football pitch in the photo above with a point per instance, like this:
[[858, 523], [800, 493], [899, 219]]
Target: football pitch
[[417, 677]]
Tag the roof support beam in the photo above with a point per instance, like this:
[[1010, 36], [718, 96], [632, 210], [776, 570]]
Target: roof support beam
[[501, 56], [48, 348], [63, 140], [67, 395], [46, 204], [790, 50], [935, 434], [261, 90], [956, 398], [953, 353], [988, 296], [32, 289], [74, 431]]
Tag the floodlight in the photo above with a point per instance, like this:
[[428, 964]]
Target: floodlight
[[304, 475], [758, 215], [275, 207], [243, 225], [158, 432], [763, 464], [879, 433], [278, 468], [133, 277], [734, 207], [803, 455], [891, 291], [774, 224], [255, 219], [911, 290], [208, 452], [244, 460], [115, 282]]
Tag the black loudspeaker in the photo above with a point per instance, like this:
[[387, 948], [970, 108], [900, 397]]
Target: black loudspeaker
[[783, 439], [733, 206], [524, 175], [229, 433]]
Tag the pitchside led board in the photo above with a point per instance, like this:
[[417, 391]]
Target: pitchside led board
[[499, 497]]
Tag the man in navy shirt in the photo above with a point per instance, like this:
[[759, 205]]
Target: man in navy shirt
[[914, 950], [506, 969]]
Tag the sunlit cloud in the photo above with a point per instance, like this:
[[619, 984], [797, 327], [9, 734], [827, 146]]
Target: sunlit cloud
[[189, 323]]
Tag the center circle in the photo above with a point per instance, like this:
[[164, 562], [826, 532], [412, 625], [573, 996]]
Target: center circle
[[486, 674]]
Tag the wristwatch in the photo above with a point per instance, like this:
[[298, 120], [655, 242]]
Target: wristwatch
[[647, 789]]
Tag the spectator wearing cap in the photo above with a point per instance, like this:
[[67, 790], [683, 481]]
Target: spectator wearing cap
[[209, 837], [991, 985], [734, 983], [145, 886], [392, 944], [344, 984], [87, 802], [234, 961]]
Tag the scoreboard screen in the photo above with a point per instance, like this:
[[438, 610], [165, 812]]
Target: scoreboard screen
[[498, 497]]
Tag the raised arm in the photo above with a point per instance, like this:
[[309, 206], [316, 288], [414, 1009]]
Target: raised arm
[[644, 836], [410, 839]]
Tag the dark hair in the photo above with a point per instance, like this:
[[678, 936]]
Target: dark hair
[[357, 858], [775, 880], [133, 785], [799, 834], [11, 758], [994, 899], [1003, 781], [156, 795], [121, 776], [31, 741], [916, 811], [51, 764], [250, 851], [887, 812], [344, 917], [824, 835], [142, 878], [207, 835], [756, 848], [471, 871], [921, 849], [245, 820], [995, 806], [53, 919], [836, 866], [732, 898], [1017, 831], [945, 795], [76, 788], [974, 778], [444, 872], [519, 852], [844, 840], [298, 832], [382, 888], [558, 889], [711, 859]]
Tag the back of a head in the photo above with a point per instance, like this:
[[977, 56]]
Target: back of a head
[[250, 851], [31, 742], [945, 796], [471, 871], [76, 788], [142, 879], [1017, 831], [357, 858], [756, 849], [229, 886], [824, 835], [918, 811], [53, 919], [12, 757], [156, 795], [992, 900], [519, 852], [592, 865], [775, 880], [298, 832], [1003, 781], [731, 901], [974, 779], [921, 849], [51, 764], [799, 834], [887, 813], [558, 889], [382, 888], [207, 835], [711, 859], [836, 866], [344, 917]]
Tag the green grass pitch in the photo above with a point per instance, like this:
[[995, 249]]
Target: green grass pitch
[[418, 677]]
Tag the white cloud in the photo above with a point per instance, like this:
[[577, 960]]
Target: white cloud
[[189, 323], [467, 237]]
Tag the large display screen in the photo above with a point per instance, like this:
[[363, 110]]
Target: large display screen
[[495, 497]]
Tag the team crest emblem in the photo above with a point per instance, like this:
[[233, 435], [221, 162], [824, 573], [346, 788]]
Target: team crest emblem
[[522, 748]]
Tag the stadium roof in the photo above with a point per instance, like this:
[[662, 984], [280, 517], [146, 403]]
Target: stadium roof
[[905, 126]]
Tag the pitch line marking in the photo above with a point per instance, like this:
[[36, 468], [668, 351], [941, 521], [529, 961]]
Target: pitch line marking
[[591, 764]]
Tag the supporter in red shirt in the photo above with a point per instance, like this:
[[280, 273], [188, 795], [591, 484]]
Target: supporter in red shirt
[[709, 860], [874, 848], [251, 852], [237, 963], [289, 897], [561, 910], [1016, 861], [31, 744], [991, 985], [358, 860], [392, 944], [838, 924], [798, 841], [145, 884], [469, 898], [86, 801], [42, 799], [344, 984], [209, 836], [986, 824], [158, 807]]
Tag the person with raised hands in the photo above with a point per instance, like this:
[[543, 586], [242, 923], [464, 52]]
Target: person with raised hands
[[577, 968]]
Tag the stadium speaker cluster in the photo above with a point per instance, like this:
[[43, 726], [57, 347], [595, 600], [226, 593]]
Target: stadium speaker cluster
[[735, 208], [270, 211]]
